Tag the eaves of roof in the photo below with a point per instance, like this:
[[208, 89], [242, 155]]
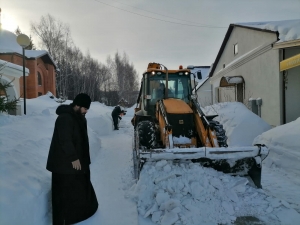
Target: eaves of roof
[[227, 35], [287, 44], [43, 54]]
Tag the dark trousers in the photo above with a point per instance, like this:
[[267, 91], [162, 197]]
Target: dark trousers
[[73, 198], [116, 121]]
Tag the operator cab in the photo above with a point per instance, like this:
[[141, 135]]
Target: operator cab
[[179, 87]]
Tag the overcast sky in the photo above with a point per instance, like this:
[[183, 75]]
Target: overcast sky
[[192, 36]]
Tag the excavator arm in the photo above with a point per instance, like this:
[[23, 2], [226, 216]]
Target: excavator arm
[[204, 129]]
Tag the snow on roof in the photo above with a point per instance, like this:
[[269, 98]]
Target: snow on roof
[[35, 53], [9, 44], [234, 80], [288, 30]]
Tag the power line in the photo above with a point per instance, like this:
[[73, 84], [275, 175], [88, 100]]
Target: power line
[[167, 21], [160, 14]]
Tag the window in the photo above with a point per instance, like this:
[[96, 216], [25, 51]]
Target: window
[[178, 87], [40, 94], [39, 77], [235, 49]]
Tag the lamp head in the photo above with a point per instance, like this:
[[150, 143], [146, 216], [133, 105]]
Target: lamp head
[[23, 40]]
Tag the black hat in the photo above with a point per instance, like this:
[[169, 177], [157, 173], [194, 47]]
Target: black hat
[[82, 100]]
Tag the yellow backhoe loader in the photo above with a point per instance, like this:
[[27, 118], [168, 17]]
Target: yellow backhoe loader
[[169, 124]]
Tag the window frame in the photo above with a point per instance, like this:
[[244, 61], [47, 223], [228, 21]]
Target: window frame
[[235, 49], [39, 79]]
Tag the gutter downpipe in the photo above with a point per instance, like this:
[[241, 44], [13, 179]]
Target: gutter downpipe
[[283, 90], [259, 103]]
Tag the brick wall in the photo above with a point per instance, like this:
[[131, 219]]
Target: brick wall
[[47, 72]]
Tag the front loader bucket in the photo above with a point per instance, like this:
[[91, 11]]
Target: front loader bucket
[[243, 161], [242, 167]]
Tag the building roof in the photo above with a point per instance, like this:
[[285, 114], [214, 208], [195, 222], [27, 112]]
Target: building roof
[[9, 45], [286, 30], [204, 72], [12, 69]]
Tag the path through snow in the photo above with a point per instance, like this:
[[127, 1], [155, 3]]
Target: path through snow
[[112, 176]]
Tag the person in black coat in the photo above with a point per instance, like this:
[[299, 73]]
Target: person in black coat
[[73, 196], [116, 115]]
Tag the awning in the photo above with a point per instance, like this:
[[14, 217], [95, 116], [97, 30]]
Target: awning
[[234, 80], [231, 81], [290, 63]]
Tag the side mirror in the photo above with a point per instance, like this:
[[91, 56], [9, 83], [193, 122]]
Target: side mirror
[[199, 75]]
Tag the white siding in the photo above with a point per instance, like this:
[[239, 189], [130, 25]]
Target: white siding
[[247, 39], [261, 74]]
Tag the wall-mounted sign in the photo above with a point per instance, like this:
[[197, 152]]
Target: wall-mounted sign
[[290, 63]]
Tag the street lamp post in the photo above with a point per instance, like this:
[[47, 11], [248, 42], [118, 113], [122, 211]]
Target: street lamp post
[[23, 40]]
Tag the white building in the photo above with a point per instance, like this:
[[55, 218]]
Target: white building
[[202, 89], [253, 66], [11, 73]]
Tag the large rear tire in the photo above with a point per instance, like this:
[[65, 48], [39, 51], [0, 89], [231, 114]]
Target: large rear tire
[[146, 133], [144, 138]]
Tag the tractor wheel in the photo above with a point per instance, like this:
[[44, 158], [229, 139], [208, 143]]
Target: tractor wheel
[[136, 156], [220, 133], [146, 134], [144, 137]]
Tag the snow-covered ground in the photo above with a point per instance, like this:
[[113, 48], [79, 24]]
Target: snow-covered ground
[[167, 193]]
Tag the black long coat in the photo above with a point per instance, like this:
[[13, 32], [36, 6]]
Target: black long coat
[[69, 142], [73, 195]]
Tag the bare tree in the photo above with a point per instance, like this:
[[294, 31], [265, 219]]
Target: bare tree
[[53, 34], [81, 73]]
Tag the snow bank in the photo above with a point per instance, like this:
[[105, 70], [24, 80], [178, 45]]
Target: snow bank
[[240, 124], [287, 155], [187, 193]]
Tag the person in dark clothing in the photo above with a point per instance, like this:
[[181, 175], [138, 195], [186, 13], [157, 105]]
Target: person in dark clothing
[[116, 115], [73, 195], [161, 91]]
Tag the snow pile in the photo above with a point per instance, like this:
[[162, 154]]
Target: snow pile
[[285, 156], [187, 193], [24, 144], [240, 124]]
